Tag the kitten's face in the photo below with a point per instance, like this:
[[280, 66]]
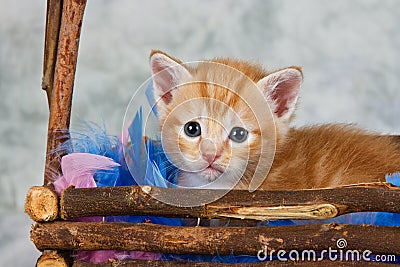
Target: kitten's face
[[215, 125], [210, 132]]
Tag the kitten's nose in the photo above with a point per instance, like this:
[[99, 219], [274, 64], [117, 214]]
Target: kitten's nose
[[209, 151]]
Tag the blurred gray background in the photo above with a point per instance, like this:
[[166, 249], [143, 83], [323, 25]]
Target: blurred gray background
[[349, 51]]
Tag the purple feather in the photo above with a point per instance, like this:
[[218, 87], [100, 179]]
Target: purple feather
[[107, 255]]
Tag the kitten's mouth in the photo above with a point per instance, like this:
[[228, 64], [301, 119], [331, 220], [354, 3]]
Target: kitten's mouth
[[216, 167], [213, 171]]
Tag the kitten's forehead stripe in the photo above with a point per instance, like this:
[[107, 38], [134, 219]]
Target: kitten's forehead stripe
[[215, 131], [254, 71]]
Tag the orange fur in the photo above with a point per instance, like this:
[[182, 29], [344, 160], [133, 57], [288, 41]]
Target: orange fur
[[310, 157], [332, 155]]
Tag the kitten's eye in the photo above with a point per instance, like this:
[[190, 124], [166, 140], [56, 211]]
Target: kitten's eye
[[192, 129], [238, 134]]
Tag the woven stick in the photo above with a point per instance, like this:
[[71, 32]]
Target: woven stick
[[41, 204], [52, 259], [61, 95], [259, 205], [212, 240]]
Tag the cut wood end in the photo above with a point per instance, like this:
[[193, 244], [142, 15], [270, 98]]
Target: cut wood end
[[146, 189], [41, 204], [51, 260], [314, 211]]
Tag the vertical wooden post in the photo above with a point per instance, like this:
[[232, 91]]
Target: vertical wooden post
[[64, 74], [63, 28], [53, 22]]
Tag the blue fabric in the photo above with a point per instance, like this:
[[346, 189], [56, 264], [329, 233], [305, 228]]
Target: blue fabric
[[93, 139], [150, 97], [394, 178]]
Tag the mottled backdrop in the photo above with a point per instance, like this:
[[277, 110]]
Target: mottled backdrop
[[349, 51]]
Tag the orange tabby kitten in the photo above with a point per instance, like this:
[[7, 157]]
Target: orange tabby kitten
[[216, 125]]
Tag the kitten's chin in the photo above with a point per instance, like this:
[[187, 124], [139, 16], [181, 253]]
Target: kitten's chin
[[211, 173], [207, 178]]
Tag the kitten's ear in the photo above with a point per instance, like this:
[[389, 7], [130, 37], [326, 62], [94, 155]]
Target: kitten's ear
[[282, 89], [167, 74]]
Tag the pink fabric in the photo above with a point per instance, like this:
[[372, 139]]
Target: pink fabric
[[78, 170]]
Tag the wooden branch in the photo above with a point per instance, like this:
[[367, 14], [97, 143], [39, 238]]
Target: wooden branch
[[53, 22], [51, 259], [212, 240], [41, 204], [146, 263], [61, 99], [260, 205]]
